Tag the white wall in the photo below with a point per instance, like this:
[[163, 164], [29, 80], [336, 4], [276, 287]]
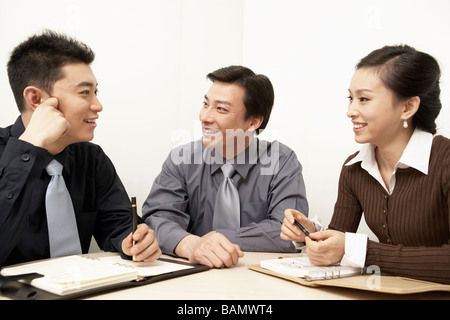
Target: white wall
[[153, 56], [309, 49]]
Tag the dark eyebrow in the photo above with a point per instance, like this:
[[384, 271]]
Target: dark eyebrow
[[360, 90], [219, 101], [86, 84]]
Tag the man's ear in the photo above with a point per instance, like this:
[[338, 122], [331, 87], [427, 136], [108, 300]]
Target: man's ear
[[33, 97], [255, 122]]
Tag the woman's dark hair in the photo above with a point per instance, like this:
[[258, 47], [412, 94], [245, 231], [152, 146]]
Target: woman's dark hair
[[259, 93], [38, 61], [409, 73]]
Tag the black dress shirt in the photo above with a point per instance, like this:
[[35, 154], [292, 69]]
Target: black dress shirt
[[102, 206]]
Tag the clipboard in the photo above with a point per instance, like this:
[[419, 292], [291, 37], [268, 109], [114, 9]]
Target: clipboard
[[18, 290], [375, 282]]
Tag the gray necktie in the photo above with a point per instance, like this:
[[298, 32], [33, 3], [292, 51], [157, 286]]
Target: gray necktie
[[227, 208], [62, 226]]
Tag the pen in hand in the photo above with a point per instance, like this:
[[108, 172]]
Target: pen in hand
[[302, 228], [134, 219]]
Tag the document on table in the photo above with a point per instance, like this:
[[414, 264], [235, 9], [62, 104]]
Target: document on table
[[302, 268], [73, 274], [145, 269]]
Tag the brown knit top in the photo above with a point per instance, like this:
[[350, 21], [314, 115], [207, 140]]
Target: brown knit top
[[412, 224]]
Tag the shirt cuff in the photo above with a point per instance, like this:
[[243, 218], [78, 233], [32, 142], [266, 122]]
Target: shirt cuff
[[319, 227], [355, 250]]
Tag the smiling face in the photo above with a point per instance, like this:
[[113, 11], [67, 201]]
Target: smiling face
[[77, 96], [223, 118], [375, 111]]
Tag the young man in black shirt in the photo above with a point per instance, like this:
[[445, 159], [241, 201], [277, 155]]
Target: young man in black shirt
[[56, 93]]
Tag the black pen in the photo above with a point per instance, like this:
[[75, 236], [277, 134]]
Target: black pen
[[302, 227], [134, 218]]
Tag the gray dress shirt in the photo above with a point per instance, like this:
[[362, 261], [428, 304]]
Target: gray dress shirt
[[269, 180]]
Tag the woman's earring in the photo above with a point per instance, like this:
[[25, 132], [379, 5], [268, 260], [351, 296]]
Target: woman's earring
[[405, 124]]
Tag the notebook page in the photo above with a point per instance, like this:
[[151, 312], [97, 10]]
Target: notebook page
[[296, 267], [145, 269], [302, 268], [69, 274]]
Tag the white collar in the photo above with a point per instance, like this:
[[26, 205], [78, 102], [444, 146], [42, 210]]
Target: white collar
[[416, 155]]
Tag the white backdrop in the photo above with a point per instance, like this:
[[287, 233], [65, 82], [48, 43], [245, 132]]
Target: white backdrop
[[153, 56]]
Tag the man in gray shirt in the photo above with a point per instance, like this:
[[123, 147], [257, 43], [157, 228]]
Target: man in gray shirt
[[268, 178]]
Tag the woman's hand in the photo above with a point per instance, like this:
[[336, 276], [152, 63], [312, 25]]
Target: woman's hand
[[325, 247], [290, 231]]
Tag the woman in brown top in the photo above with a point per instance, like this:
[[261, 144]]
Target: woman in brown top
[[400, 179]]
